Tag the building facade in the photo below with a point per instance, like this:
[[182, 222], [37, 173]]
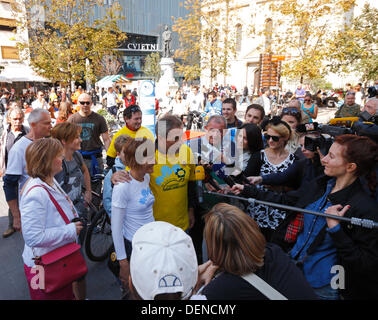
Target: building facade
[[254, 27], [144, 24]]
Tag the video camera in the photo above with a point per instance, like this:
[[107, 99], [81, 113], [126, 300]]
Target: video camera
[[337, 127]]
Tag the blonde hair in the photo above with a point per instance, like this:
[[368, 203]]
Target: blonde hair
[[39, 157], [281, 129], [233, 239], [65, 109], [67, 131]]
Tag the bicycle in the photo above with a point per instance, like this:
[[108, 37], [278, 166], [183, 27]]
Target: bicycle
[[98, 239]]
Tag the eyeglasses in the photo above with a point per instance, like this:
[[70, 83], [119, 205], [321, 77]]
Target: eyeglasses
[[85, 102], [307, 100], [274, 138]]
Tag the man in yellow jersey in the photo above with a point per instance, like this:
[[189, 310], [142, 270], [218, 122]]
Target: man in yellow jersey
[[172, 180], [133, 128]]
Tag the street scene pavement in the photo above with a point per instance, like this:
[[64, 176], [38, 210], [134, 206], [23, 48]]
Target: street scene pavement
[[101, 284]]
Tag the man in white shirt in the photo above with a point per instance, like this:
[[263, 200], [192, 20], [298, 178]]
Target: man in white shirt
[[194, 105], [40, 102], [264, 101], [111, 101], [16, 175]]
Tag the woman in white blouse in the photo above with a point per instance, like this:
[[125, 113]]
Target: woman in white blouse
[[132, 201], [43, 228]]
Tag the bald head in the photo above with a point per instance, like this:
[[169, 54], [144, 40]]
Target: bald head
[[371, 106], [85, 102], [85, 96]]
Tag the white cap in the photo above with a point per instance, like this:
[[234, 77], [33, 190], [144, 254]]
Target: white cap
[[163, 260]]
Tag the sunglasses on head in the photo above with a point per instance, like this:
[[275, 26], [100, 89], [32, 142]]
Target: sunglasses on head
[[85, 102], [274, 138], [290, 111]]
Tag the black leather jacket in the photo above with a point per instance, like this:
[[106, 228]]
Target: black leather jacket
[[357, 247]]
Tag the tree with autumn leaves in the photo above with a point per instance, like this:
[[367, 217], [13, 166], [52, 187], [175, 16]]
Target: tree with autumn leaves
[[303, 29], [207, 43], [355, 49], [64, 37]]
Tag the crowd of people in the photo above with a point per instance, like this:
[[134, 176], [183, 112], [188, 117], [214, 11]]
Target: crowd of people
[[170, 241]]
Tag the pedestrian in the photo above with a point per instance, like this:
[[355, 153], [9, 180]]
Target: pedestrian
[[163, 265], [94, 127], [132, 203], [12, 133], [350, 108], [16, 173], [43, 227], [111, 101], [238, 248], [254, 114], [323, 242]]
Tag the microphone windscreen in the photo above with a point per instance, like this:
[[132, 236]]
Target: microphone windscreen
[[199, 173]]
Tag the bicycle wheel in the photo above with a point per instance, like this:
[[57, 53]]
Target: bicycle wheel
[[99, 239]]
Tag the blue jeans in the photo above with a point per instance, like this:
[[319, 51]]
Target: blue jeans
[[242, 98], [327, 293]]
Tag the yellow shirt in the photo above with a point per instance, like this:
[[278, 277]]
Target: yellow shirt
[[140, 133], [169, 185]]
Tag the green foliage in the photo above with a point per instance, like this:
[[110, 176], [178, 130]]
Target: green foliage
[[355, 49], [60, 47], [152, 66], [302, 31], [207, 42]]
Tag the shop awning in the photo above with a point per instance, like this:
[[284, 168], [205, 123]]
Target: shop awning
[[21, 73], [109, 80]]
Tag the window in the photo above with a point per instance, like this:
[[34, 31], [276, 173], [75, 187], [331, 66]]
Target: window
[[268, 34], [239, 37]]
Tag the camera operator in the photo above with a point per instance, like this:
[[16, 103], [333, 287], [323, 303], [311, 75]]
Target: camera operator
[[370, 108], [326, 242]]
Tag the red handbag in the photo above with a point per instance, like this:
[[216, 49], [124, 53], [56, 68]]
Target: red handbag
[[63, 265]]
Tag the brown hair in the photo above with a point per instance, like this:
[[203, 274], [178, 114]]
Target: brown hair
[[129, 150], [65, 109], [67, 131], [166, 124], [364, 153], [119, 142], [39, 156], [233, 239]]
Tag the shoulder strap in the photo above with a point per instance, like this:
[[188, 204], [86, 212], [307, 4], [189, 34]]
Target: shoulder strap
[[78, 159], [263, 287], [58, 207]]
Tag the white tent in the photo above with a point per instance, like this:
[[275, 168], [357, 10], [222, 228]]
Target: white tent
[[109, 81], [3, 79], [21, 73]]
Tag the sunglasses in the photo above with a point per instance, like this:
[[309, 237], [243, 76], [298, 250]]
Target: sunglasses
[[307, 100], [85, 102], [290, 111], [274, 138]]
